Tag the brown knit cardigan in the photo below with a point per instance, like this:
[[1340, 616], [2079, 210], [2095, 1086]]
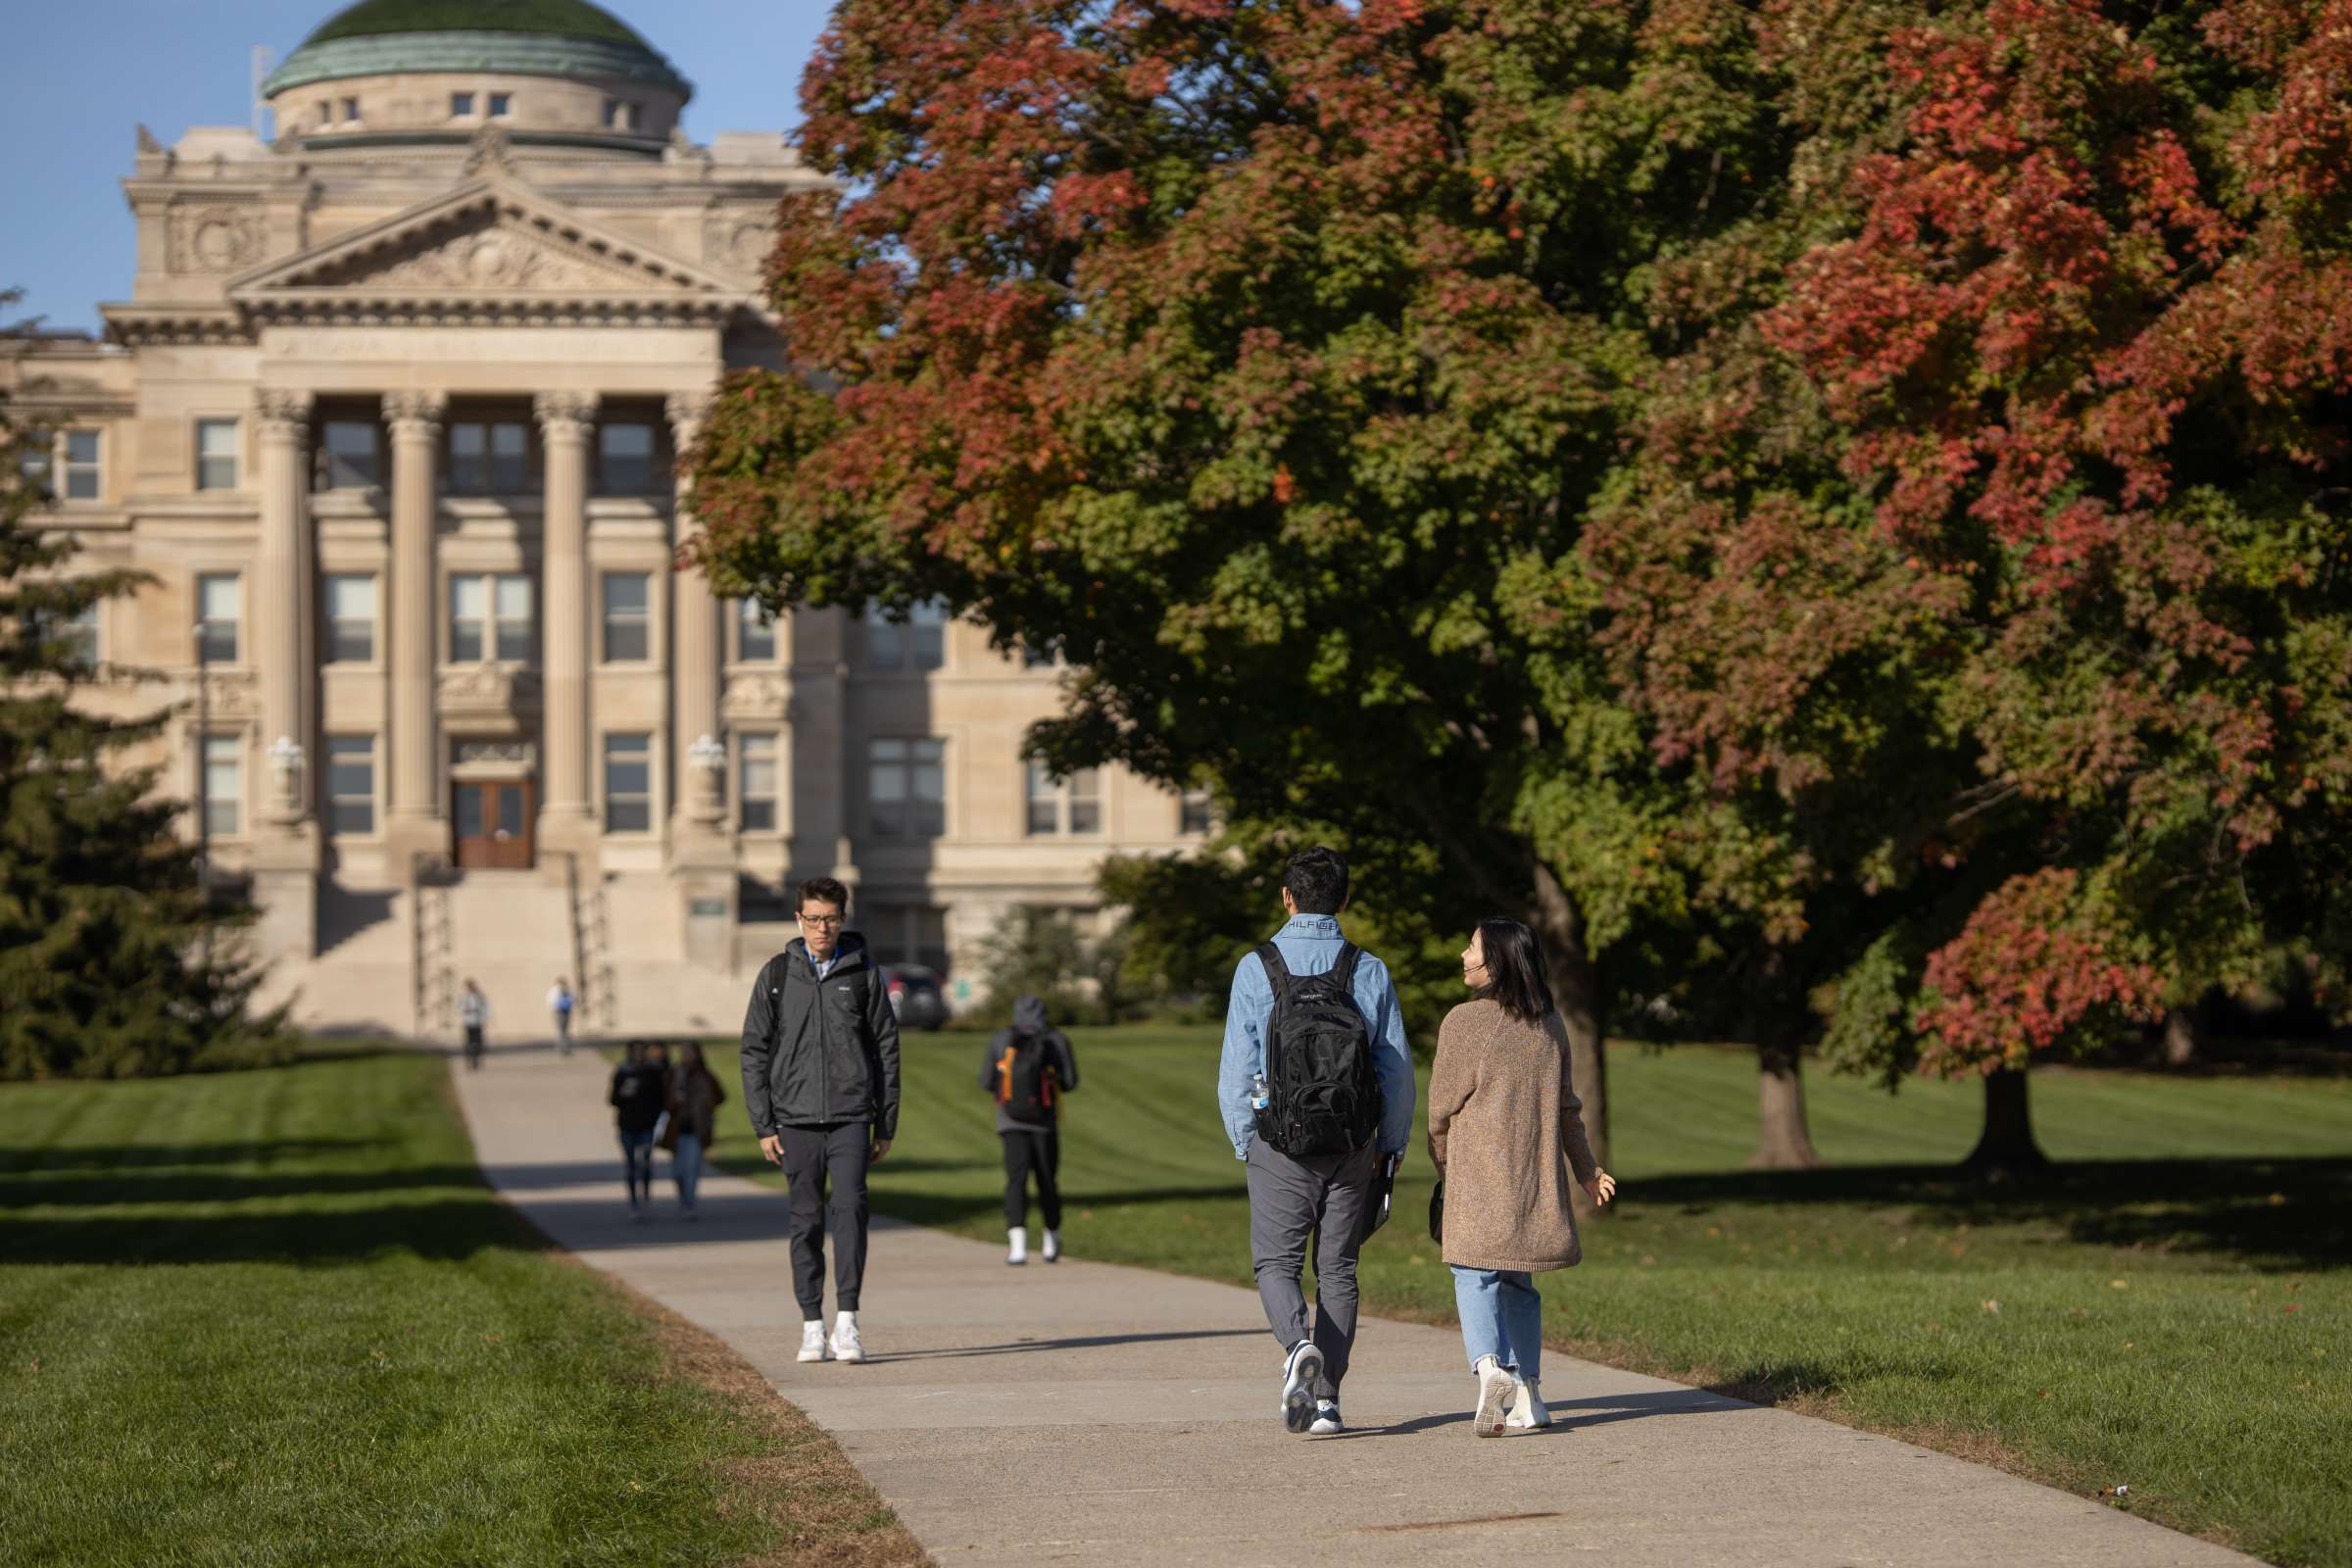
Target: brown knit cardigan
[[1508, 1134]]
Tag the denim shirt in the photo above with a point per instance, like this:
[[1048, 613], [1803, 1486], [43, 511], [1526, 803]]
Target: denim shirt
[[1309, 944]]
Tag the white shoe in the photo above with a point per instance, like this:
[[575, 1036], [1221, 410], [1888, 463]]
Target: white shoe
[[1327, 1418], [813, 1343], [1493, 1395], [846, 1346], [1020, 1246], [1300, 1370], [1527, 1408], [1053, 1252]]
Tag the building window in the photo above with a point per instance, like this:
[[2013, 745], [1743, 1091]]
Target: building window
[[351, 111], [81, 466], [624, 459], [351, 783], [218, 609], [460, 105], [755, 632], [1038, 658], [907, 933], [326, 112], [223, 784], [490, 618], [79, 634], [501, 104], [628, 617], [489, 458], [628, 783], [921, 643], [216, 454], [1073, 805], [620, 115], [1195, 811], [907, 788], [350, 619], [351, 455], [756, 783]]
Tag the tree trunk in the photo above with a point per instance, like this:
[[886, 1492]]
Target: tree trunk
[[2006, 1150], [2180, 1038], [1578, 992], [1783, 1142]]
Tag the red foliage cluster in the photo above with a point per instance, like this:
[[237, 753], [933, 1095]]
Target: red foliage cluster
[[2035, 962]]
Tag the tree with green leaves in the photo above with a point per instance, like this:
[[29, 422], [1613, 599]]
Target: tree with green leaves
[[112, 962]]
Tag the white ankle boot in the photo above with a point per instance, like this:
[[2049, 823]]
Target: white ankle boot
[[1053, 1252], [1527, 1406], [1020, 1246]]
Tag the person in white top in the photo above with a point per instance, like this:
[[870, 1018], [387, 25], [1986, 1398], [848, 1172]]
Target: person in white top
[[473, 1011], [559, 1004]]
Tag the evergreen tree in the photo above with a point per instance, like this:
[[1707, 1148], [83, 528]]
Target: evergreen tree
[[105, 960]]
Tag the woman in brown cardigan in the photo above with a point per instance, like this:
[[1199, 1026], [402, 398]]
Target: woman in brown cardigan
[[1506, 1133]]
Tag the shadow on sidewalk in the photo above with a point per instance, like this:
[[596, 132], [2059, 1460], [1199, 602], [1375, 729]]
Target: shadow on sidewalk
[[1566, 1414], [1082, 1343]]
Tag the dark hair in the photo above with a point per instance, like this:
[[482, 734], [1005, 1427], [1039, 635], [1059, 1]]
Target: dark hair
[[1317, 880], [821, 889], [1515, 977]]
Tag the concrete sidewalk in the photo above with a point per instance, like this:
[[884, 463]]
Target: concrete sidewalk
[[1087, 1413]]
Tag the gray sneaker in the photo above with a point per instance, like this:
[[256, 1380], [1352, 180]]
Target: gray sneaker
[[1299, 1373], [1327, 1418]]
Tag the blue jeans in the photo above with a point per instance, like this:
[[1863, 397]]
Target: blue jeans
[[686, 1166], [1501, 1316]]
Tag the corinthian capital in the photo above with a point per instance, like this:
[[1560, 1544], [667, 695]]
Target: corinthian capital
[[415, 414], [564, 413], [281, 413], [687, 412]]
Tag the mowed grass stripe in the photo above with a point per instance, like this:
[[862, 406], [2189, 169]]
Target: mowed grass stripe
[[1880, 1291]]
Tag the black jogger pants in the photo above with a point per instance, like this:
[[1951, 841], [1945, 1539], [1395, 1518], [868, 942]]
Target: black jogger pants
[[826, 1168], [1025, 1152]]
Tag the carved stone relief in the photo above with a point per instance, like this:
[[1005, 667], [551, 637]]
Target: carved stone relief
[[756, 694], [488, 690], [215, 238], [498, 255], [739, 238]]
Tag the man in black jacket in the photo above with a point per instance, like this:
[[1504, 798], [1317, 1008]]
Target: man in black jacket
[[1027, 1070], [820, 1078]]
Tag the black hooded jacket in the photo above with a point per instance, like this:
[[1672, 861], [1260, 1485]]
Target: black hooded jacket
[[817, 1051], [1029, 1022]]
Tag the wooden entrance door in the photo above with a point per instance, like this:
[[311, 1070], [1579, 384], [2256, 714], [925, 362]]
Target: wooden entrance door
[[493, 820]]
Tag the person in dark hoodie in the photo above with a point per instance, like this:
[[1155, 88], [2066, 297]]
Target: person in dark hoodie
[[1028, 1068], [821, 1080]]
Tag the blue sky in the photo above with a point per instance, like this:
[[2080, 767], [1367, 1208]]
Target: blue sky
[[78, 77]]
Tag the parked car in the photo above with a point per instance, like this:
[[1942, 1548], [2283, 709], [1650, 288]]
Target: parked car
[[914, 996]]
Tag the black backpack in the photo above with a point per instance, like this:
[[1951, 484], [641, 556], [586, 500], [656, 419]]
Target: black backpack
[[1026, 1082], [1321, 1095]]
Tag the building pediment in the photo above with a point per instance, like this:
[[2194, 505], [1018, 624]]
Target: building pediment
[[490, 248]]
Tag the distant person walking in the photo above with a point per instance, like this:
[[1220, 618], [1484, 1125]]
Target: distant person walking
[[640, 1090], [693, 1100], [1506, 1133], [558, 1007], [821, 1080], [1316, 1088], [1027, 1070], [474, 1012]]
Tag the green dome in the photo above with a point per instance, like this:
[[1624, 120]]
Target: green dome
[[567, 38]]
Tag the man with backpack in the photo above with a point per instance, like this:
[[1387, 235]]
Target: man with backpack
[[1316, 1087], [1027, 1070], [820, 1079]]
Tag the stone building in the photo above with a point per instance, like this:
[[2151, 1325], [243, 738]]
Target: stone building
[[390, 418]]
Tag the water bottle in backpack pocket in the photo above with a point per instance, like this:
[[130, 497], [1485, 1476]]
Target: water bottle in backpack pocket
[[1323, 1097]]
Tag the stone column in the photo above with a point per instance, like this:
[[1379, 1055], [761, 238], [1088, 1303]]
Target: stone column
[[566, 420], [286, 843], [414, 823], [281, 423], [697, 647]]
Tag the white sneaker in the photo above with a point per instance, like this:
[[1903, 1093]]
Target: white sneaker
[[1493, 1395], [1300, 1370], [1020, 1246], [1527, 1406], [1053, 1252], [846, 1346], [813, 1343], [1327, 1418]]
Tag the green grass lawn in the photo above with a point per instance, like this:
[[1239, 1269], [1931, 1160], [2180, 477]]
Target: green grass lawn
[[275, 1317], [2169, 1313]]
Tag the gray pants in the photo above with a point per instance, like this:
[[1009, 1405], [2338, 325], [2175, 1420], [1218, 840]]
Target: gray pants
[[1289, 1197], [826, 1168]]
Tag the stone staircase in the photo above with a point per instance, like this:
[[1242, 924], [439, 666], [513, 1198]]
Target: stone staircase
[[512, 932]]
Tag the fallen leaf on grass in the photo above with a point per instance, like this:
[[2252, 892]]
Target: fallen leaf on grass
[[2119, 1285], [1995, 1307], [2292, 1306]]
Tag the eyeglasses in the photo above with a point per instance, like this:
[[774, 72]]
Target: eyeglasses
[[824, 922]]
